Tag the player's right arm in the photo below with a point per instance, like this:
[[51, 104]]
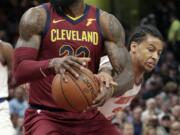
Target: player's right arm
[[26, 66]]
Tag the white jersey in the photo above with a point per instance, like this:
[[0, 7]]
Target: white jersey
[[6, 127], [3, 81], [117, 103]]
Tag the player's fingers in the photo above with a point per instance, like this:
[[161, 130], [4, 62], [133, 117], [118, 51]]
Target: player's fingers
[[101, 103], [99, 98], [99, 77], [62, 73], [103, 79], [56, 69], [98, 104], [71, 70], [75, 64], [113, 83], [92, 107], [89, 108], [107, 82], [83, 61], [101, 85]]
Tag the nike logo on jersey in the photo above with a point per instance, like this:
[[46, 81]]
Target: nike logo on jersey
[[58, 21], [90, 21]]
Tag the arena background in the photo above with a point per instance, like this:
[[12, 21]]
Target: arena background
[[161, 89]]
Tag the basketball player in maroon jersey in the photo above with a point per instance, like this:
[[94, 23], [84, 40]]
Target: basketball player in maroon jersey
[[60, 37]]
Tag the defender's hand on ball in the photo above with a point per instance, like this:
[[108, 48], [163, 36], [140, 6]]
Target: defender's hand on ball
[[69, 64], [106, 89]]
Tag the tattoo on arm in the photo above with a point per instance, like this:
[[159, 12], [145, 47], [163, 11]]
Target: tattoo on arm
[[114, 39], [31, 25], [116, 31], [115, 47]]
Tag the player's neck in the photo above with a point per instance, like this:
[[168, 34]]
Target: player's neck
[[76, 9]]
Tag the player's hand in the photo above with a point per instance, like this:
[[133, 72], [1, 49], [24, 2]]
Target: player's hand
[[105, 78], [103, 96], [68, 64], [107, 84]]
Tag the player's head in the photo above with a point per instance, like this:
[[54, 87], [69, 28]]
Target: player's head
[[146, 45], [60, 4], [64, 3]]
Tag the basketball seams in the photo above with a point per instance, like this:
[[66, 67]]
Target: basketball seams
[[81, 91], [76, 94], [69, 103], [54, 86], [91, 80], [92, 94]]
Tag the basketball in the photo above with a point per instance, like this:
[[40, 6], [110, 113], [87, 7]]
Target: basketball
[[76, 94]]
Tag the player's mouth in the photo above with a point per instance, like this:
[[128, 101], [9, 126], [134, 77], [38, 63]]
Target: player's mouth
[[150, 64]]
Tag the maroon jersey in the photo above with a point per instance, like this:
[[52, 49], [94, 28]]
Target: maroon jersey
[[64, 36]]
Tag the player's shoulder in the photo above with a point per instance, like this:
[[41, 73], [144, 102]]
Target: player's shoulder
[[35, 16], [32, 22], [110, 25], [105, 15]]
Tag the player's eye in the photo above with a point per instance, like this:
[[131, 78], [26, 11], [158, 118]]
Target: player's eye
[[151, 49]]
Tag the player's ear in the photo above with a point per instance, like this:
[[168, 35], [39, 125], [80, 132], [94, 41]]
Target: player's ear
[[133, 47]]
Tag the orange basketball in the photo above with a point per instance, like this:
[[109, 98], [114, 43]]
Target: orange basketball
[[76, 94]]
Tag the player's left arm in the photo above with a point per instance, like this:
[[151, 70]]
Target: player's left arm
[[114, 43]]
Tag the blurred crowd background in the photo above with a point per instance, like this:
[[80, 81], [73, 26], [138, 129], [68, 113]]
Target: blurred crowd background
[[156, 110]]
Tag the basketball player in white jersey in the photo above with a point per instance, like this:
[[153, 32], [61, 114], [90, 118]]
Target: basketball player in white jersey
[[6, 51], [145, 47]]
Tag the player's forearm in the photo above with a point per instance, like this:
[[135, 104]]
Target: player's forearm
[[125, 78], [125, 82], [27, 68], [122, 67]]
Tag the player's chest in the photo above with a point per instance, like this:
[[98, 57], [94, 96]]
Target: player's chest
[[76, 41], [76, 34]]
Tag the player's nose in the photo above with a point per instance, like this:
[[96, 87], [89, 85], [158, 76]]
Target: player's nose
[[155, 56]]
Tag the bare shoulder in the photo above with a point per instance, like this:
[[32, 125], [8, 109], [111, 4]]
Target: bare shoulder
[[32, 22], [111, 27], [31, 26]]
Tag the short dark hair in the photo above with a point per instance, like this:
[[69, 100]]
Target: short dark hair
[[166, 117], [141, 32]]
